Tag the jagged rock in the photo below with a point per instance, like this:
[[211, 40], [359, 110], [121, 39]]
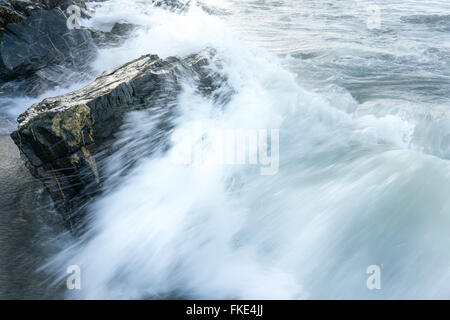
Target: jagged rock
[[122, 28], [63, 139], [175, 5], [25, 8], [183, 6], [119, 32], [42, 40], [16, 11], [9, 15], [30, 50]]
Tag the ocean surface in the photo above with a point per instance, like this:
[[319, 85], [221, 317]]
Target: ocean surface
[[359, 93]]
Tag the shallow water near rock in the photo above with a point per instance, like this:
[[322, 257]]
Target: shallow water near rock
[[363, 179]]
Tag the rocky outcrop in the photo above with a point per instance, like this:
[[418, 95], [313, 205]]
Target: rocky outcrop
[[32, 48], [9, 15], [64, 139], [37, 52], [15, 11], [120, 31]]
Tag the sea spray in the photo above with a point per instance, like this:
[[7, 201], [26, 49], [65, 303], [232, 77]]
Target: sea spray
[[351, 191]]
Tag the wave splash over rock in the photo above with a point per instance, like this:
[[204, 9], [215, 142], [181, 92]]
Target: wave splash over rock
[[352, 190]]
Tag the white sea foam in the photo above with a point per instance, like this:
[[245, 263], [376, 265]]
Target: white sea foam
[[352, 190]]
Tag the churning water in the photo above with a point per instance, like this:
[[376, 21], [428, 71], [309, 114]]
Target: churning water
[[362, 107]]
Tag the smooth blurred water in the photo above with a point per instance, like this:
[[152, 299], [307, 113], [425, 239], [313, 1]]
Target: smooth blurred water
[[364, 174]]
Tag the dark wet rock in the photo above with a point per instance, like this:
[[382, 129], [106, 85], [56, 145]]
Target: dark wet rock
[[27, 218], [9, 15], [15, 11], [122, 28], [21, 9], [171, 4], [36, 50], [119, 33], [63, 139], [43, 40]]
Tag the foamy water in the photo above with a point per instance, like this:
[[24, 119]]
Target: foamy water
[[363, 177]]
